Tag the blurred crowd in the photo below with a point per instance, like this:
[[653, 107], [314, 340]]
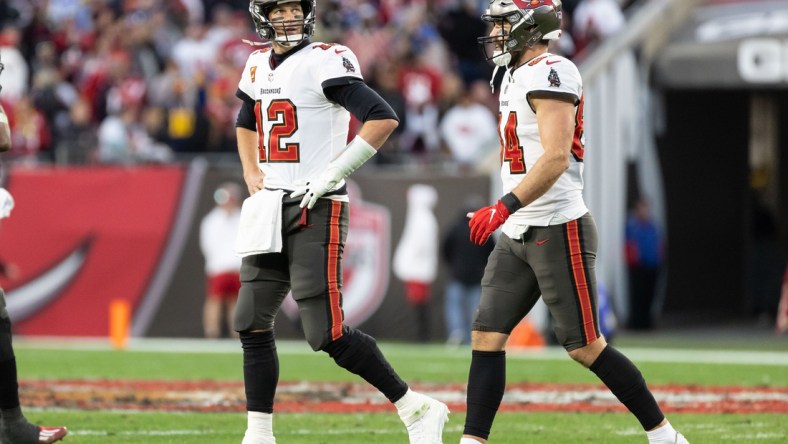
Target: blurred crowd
[[153, 81]]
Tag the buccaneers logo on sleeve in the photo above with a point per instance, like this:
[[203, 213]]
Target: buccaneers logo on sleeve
[[348, 65], [553, 78]]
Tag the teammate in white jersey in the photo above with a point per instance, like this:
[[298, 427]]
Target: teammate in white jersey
[[14, 427], [549, 241], [292, 132]]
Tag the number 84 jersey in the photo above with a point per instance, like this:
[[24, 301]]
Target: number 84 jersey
[[299, 131], [546, 76]]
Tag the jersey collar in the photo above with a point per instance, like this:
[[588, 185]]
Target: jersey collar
[[277, 59]]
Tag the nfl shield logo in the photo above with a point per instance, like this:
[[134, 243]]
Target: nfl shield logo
[[365, 261], [270, 77]]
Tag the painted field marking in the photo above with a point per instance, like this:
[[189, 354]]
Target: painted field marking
[[143, 433], [292, 347]]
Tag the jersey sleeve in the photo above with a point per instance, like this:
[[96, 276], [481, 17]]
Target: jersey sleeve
[[246, 84], [555, 76], [336, 62]]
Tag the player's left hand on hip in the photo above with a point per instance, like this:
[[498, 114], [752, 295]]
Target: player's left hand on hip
[[314, 189], [485, 221]]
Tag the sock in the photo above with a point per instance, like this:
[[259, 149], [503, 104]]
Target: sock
[[16, 428], [468, 441], [259, 424], [9, 386], [486, 384], [665, 434], [359, 354], [626, 382], [410, 406], [261, 370], [407, 400]]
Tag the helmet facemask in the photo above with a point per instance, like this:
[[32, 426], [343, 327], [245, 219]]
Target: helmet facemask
[[522, 24], [280, 31]]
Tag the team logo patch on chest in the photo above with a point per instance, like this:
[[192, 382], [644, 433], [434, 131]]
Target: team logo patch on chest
[[553, 78], [348, 65]]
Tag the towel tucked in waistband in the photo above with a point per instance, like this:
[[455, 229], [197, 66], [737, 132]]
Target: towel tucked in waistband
[[260, 230]]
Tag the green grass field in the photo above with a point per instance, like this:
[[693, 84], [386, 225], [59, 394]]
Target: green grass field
[[175, 360]]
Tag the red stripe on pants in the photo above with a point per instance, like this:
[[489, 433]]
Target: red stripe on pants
[[334, 296], [581, 282]]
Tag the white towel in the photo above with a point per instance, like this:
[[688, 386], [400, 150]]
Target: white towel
[[261, 224]]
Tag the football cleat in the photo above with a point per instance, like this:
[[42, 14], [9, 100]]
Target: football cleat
[[48, 435], [426, 426]]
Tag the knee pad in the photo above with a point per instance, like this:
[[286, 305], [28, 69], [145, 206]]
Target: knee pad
[[318, 340], [248, 314]]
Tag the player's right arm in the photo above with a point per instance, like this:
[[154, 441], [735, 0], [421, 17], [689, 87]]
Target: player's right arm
[[247, 150], [246, 129], [556, 123], [5, 131]]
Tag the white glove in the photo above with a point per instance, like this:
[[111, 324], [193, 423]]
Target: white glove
[[6, 203], [318, 187], [357, 152]]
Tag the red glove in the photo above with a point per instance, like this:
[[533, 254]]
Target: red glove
[[486, 220]]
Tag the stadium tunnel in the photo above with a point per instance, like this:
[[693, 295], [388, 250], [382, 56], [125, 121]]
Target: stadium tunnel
[[722, 87]]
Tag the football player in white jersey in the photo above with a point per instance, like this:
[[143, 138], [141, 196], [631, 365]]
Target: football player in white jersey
[[14, 427], [548, 243], [292, 132]]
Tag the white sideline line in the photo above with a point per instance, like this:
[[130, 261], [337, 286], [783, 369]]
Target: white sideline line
[[143, 433], [727, 433], [299, 432], [293, 347], [673, 355]]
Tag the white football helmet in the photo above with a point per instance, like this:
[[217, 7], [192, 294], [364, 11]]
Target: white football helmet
[[531, 21], [259, 10]]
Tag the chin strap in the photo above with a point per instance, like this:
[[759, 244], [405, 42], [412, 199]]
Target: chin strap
[[492, 80], [254, 44]]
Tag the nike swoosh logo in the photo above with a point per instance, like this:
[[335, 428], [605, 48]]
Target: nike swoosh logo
[[539, 243], [550, 62], [340, 51], [492, 214]]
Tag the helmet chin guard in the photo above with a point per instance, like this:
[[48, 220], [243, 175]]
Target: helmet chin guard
[[501, 58]]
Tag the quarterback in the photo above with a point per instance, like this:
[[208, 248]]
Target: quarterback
[[548, 243], [292, 139]]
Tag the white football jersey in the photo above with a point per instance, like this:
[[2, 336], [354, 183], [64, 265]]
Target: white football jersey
[[299, 130], [521, 146]]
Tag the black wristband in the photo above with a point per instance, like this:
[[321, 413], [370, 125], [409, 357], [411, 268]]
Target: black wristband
[[511, 202]]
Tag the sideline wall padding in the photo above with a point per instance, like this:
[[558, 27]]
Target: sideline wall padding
[[82, 237]]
